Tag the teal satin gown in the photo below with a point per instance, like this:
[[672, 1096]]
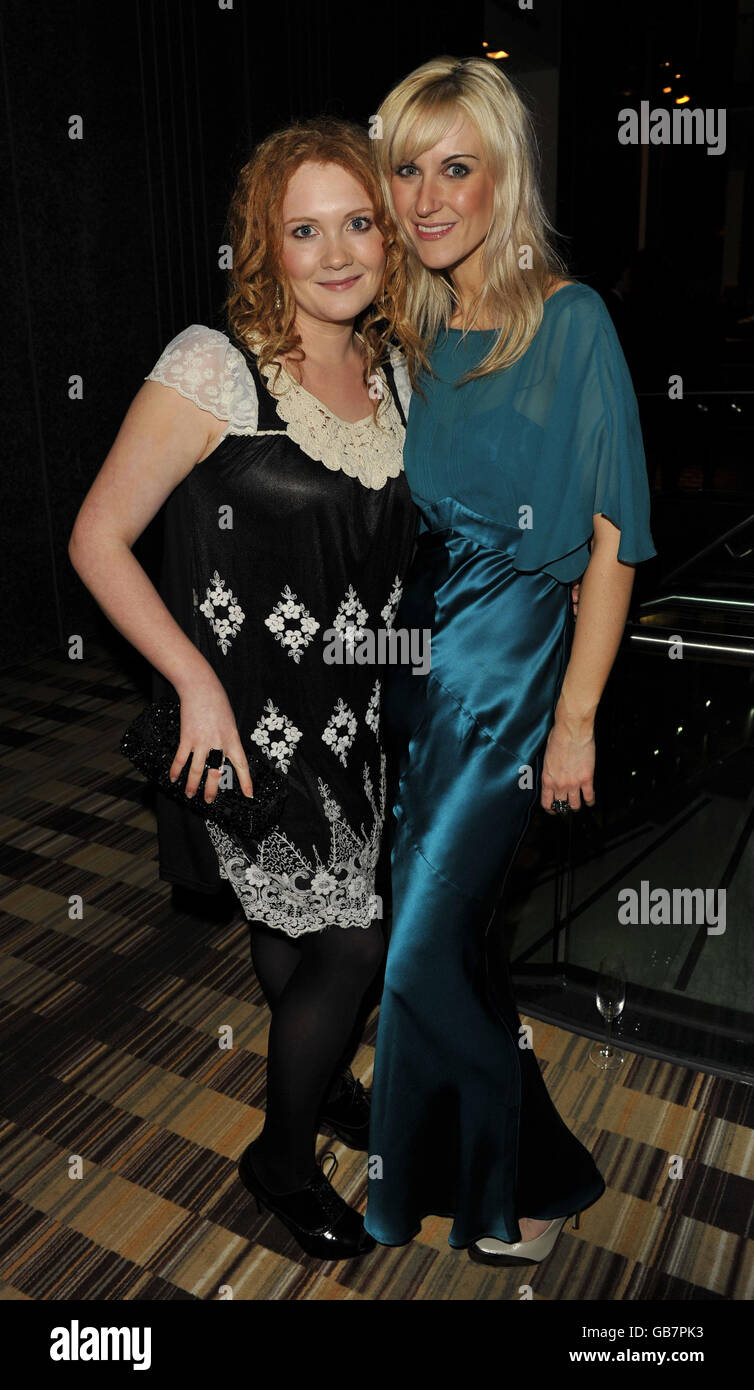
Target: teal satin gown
[[507, 472]]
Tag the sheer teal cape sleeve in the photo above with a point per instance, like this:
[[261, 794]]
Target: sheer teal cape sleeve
[[542, 446], [591, 458]]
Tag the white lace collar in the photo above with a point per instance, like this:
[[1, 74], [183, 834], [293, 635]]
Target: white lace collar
[[203, 365], [361, 448]]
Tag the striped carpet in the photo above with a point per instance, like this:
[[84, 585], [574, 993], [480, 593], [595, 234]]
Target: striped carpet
[[123, 1117]]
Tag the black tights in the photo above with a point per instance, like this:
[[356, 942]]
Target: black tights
[[314, 986]]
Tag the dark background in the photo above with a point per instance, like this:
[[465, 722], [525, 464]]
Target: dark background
[[111, 242]]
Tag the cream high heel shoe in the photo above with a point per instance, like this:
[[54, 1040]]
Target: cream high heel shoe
[[489, 1251]]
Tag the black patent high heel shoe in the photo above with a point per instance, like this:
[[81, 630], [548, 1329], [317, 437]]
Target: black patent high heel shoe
[[346, 1115], [321, 1221]]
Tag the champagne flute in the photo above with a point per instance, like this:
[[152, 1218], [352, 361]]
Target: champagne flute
[[611, 996]]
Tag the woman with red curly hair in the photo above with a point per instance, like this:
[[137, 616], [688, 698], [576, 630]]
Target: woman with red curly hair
[[276, 449]]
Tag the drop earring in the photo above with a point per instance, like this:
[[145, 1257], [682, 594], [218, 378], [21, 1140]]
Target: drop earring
[[278, 300]]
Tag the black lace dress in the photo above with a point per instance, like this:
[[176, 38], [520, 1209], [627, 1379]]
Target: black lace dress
[[285, 548]]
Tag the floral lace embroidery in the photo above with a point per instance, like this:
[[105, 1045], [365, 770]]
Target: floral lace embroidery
[[391, 607], [350, 618], [372, 716], [372, 453], [202, 365], [340, 731], [286, 890], [280, 750], [289, 609], [205, 367], [224, 628]]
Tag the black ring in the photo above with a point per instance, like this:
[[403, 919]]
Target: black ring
[[215, 758], [562, 807]]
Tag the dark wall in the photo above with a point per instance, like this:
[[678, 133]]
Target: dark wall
[[680, 268]]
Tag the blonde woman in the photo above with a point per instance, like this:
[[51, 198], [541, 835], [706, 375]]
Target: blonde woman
[[524, 456], [276, 448]]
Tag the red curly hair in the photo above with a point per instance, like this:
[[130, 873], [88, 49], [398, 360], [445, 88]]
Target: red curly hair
[[255, 234]]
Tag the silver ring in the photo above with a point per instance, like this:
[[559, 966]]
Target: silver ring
[[562, 807]]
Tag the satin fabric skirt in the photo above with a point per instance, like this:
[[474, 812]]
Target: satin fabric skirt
[[462, 1125]]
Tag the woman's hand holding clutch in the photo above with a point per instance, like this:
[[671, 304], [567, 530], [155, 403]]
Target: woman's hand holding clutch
[[180, 746], [207, 722]]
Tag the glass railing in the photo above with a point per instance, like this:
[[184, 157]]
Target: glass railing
[[661, 870]]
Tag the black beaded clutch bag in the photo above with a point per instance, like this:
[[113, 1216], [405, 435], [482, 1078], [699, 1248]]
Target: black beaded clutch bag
[[150, 743]]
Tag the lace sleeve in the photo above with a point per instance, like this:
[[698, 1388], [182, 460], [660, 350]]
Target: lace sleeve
[[402, 381], [201, 364]]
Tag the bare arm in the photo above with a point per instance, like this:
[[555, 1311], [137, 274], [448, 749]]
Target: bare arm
[[161, 439], [604, 599]]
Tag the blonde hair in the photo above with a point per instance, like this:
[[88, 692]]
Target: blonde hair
[[414, 116], [260, 306]]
